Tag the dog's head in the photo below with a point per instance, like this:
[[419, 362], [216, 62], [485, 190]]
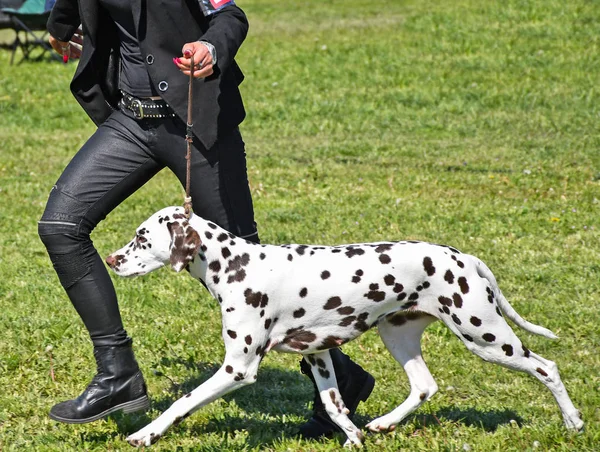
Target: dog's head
[[165, 237]]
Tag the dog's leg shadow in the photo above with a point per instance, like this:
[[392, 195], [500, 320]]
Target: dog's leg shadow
[[470, 417]]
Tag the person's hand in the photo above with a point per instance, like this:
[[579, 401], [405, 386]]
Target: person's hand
[[203, 63], [68, 49]]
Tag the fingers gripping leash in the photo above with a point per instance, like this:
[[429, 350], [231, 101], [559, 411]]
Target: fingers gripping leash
[[187, 204]]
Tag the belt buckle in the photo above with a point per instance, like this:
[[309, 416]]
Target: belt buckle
[[136, 103]]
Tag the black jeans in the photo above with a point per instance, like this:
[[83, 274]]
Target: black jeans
[[122, 155]]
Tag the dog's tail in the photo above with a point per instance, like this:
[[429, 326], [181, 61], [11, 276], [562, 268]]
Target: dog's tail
[[505, 306]]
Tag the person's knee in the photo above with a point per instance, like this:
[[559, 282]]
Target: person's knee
[[68, 243]]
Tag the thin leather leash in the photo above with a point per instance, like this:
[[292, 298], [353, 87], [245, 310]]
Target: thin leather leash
[[187, 202]]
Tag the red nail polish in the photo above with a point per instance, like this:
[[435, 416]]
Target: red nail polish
[[187, 53], [177, 60]]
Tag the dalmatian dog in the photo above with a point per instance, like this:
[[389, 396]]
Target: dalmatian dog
[[308, 299]]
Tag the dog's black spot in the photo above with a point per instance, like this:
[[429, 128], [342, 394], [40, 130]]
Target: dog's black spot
[[498, 311], [375, 295], [238, 276], [462, 283], [229, 369], [299, 313], [208, 235], [303, 292], [290, 258], [385, 259], [347, 320], [215, 266], [445, 301], [256, 299], [232, 334], [458, 301], [225, 252], [398, 288], [262, 256], [475, 321], [354, 252], [321, 363], [332, 303], [401, 296], [298, 338], [449, 277], [345, 310], [248, 339], [389, 280], [311, 360], [467, 337], [238, 262], [408, 305], [267, 323], [331, 342], [526, 351], [413, 296], [541, 371], [428, 266], [383, 247], [361, 324], [239, 376], [508, 350], [489, 337], [222, 237], [324, 373], [216, 279], [325, 274], [301, 249]]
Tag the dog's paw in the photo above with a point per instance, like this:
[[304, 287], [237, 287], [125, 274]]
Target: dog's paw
[[143, 437], [381, 424], [574, 421]]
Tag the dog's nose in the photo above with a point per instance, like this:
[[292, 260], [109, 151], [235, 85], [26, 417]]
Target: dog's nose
[[111, 261]]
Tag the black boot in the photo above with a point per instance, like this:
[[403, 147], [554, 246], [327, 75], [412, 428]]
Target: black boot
[[118, 385], [355, 385]]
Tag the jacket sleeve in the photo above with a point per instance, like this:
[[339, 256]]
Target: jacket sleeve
[[64, 19], [226, 31]]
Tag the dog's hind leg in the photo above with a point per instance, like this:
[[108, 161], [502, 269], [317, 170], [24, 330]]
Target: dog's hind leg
[[324, 374], [499, 344], [238, 370], [401, 333]]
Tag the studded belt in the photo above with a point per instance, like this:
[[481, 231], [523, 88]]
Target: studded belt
[[145, 108]]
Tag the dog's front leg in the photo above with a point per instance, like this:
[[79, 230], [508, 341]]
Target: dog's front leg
[[324, 374], [232, 375]]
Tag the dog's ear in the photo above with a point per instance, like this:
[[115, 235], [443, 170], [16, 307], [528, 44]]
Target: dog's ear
[[185, 243]]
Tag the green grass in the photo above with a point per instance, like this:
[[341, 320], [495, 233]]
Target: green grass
[[469, 123]]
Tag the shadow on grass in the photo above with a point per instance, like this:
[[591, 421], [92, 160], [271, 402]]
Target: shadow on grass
[[279, 392]]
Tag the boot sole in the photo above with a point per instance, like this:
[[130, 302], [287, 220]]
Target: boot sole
[[143, 403]]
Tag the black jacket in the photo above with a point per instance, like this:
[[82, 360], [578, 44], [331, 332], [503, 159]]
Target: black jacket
[[163, 26]]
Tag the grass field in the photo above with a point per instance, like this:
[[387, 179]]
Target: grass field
[[469, 123]]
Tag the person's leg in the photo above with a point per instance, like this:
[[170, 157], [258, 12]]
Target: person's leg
[[219, 181], [220, 193], [112, 165]]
